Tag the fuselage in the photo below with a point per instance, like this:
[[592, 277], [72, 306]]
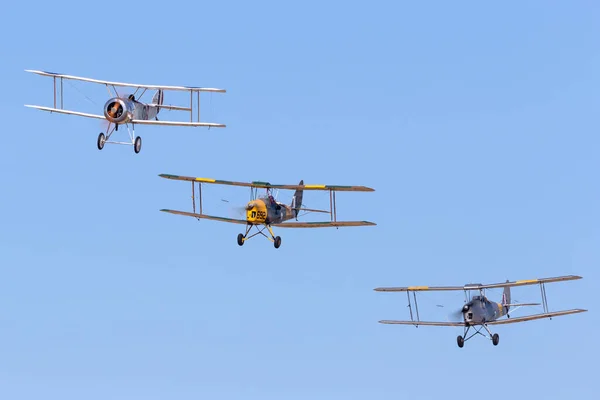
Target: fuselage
[[266, 210], [480, 310]]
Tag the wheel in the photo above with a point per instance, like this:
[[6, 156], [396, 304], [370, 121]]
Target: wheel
[[277, 242], [137, 144], [495, 339], [460, 341], [240, 239], [101, 141]]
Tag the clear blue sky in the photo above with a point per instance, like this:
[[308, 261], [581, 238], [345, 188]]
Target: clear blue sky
[[476, 124]]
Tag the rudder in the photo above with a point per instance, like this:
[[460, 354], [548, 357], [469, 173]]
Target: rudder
[[506, 298], [297, 200], [158, 99]]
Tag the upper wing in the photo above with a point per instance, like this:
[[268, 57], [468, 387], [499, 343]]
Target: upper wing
[[60, 111], [328, 224], [536, 316], [267, 185], [426, 323], [477, 286], [135, 85], [525, 282], [204, 216]]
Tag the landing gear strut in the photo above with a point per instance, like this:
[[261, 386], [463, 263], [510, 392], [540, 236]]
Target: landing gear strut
[[242, 237], [460, 340], [135, 141]]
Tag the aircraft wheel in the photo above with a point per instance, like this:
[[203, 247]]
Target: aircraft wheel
[[460, 341], [101, 141], [137, 144], [495, 339], [277, 242], [240, 239]]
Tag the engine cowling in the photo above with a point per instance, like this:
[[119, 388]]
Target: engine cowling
[[117, 111]]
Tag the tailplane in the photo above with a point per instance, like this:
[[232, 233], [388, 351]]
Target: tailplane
[[297, 200]]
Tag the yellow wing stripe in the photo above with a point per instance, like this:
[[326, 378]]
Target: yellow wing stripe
[[205, 180], [314, 186], [418, 287], [527, 281]]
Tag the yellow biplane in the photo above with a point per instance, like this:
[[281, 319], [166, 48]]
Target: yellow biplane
[[264, 212]]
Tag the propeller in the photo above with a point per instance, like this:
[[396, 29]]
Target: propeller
[[237, 212], [105, 125], [457, 316]]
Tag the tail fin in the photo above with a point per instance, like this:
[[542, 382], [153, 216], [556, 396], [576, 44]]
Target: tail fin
[[158, 99], [297, 200], [506, 298]]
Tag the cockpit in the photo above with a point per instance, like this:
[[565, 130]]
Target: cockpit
[[479, 298]]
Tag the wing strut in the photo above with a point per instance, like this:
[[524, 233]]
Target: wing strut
[[544, 298], [60, 93], [332, 207], [199, 197], [416, 308]]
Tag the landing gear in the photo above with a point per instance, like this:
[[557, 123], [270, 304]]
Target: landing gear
[[101, 141], [460, 340], [495, 339], [134, 141], [243, 237], [137, 144]]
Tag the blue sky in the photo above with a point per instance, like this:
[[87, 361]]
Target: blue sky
[[475, 123]]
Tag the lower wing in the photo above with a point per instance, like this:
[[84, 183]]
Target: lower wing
[[536, 316], [61, 111], [176, 123], [426, 323], [329, 224], [497, 322], [135, 121], [204, 216]]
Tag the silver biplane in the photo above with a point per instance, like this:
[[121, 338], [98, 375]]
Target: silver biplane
[[128, 110], [478, 312]]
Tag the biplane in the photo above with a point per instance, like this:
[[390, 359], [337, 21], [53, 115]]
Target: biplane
[[128, 109], [478, 311], [265, 212]]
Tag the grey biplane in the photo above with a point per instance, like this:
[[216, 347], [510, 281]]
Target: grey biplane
[[478, 311], [128, 109], [265, 212]]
